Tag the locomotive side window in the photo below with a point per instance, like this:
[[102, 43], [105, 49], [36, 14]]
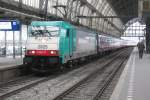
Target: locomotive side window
[[67, 33]]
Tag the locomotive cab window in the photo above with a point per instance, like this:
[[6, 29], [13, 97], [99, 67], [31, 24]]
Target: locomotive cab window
[[44, 31]]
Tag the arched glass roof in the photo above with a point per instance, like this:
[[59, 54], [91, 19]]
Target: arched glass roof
[[135, 30], [71, 9]]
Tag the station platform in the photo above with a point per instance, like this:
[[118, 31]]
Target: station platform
[[8, 62], [134, 83]]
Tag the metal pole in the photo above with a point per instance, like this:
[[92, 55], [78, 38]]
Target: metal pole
[[5, 43], [91, 22], [46, 8], [56, 8], [14, 44], [20, 41]]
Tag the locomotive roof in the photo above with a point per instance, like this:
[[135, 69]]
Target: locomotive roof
[[62, 24]]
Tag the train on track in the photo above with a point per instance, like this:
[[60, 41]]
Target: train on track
[[51, 44]]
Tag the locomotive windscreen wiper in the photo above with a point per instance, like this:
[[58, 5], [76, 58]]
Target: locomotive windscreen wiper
[[47, 32]]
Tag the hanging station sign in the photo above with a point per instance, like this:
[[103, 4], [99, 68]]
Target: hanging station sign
[[10, 25]]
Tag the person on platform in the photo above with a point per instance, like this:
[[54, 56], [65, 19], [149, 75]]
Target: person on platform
[[141, 48]]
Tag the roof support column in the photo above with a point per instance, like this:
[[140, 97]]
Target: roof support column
[[70, 9], [43, 6], [148, 35], [20, 3]]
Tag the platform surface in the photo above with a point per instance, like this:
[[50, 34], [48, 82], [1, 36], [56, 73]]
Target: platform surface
[[7, 62], [134, 83]]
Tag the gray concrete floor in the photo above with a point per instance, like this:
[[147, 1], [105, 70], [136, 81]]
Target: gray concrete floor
[[6, 62], [134, 83]]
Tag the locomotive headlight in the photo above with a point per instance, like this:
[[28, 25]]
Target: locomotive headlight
[[33, 52], [52, 52]]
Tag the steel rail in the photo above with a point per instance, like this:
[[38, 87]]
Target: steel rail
[[26, 85], [110, 78], [67, 92]]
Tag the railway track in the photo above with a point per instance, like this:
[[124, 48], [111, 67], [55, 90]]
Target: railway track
[[26, 82], [93, 86], [20, 84]]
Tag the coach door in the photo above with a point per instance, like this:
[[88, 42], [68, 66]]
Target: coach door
[[70, 41]]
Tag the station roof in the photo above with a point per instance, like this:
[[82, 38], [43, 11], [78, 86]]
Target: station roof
[[126, 9], [69, 10]]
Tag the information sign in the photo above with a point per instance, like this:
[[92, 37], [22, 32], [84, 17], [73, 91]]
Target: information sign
[[9, 25]]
